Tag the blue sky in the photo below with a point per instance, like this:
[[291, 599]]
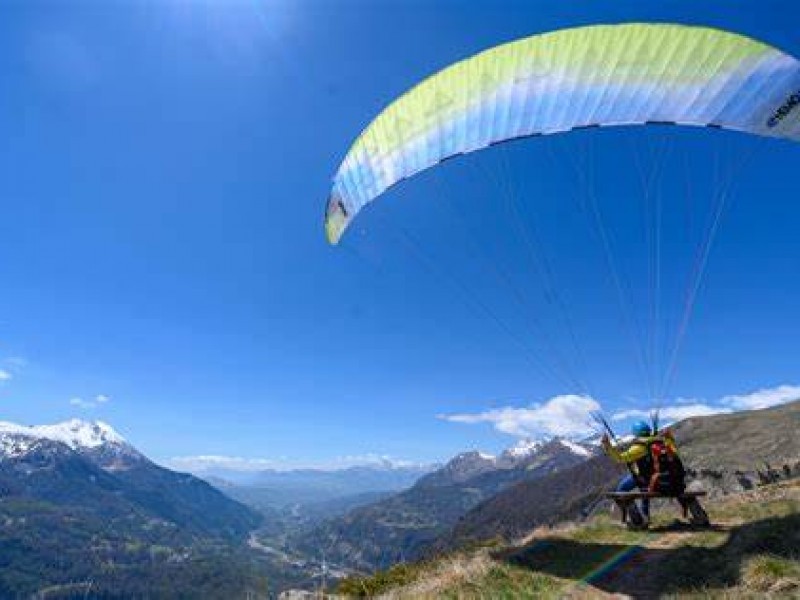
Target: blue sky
[[163, 173]]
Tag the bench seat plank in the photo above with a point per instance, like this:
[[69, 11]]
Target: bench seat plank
[[639, 495]]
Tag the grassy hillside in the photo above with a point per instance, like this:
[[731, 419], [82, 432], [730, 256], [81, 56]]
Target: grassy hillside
[[752, 551], [742, 440]]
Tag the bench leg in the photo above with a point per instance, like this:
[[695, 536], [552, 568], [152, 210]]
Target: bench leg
[[630, 513], [699, 515], [684, 507]]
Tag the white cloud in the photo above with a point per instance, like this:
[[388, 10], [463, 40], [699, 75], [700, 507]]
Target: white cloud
[[683, 408], [81, 403], [209, 462], [629, 414], [16, 363], [567, 415], [763, 398], [684, 411], [10, 367], [673, 413], [89, 404], [206, 463], [685, 400], [369, 459]]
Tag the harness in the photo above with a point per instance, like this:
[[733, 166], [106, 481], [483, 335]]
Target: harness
[[660, 469]]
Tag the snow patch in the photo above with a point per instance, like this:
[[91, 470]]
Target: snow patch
[[74, 433], [471, 456], [575, 448], [13, 447], [523, 448]]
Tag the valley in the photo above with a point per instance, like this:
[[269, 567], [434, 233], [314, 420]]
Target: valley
[[78, 504]]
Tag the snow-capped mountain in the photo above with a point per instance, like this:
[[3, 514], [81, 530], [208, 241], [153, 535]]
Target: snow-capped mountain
[[526, 447], [525, 454], [521, 452], [74, 433], [460, 468], [372, 536], [576, 448], [514, 455], [97, 441], [523, 447], [91, 466], [75, 497]]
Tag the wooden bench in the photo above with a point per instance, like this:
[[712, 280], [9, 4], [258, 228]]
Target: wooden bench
[[687, 500], [639, 495]]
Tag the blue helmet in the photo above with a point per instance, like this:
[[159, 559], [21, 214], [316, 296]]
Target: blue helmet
[[641, 429]]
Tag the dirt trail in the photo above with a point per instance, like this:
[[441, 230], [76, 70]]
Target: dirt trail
[[636, 578], [639, 572]]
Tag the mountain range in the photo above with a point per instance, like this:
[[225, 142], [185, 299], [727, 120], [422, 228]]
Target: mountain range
[[76, 501], [726, 453], [476, 496], [400, 527], [84, 512], [272, 489]]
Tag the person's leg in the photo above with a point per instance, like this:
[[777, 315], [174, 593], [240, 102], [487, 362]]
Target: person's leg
[[630, 513], [627, 484], [646, 507]]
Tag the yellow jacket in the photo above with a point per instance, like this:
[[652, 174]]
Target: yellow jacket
[[638, 448]]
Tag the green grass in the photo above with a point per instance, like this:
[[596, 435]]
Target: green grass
[[500, 580], [382, 581], [604, 530], [755, 553], [763, 572], [762, 551], [507, 582]]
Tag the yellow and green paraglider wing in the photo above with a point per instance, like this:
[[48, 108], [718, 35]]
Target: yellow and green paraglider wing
[[575, 78]]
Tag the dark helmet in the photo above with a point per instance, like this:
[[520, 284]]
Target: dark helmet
[[641, 429]]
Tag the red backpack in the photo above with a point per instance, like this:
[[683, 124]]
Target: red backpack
[[668, 472]]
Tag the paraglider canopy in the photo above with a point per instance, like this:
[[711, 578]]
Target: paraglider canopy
[[597, 76]]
